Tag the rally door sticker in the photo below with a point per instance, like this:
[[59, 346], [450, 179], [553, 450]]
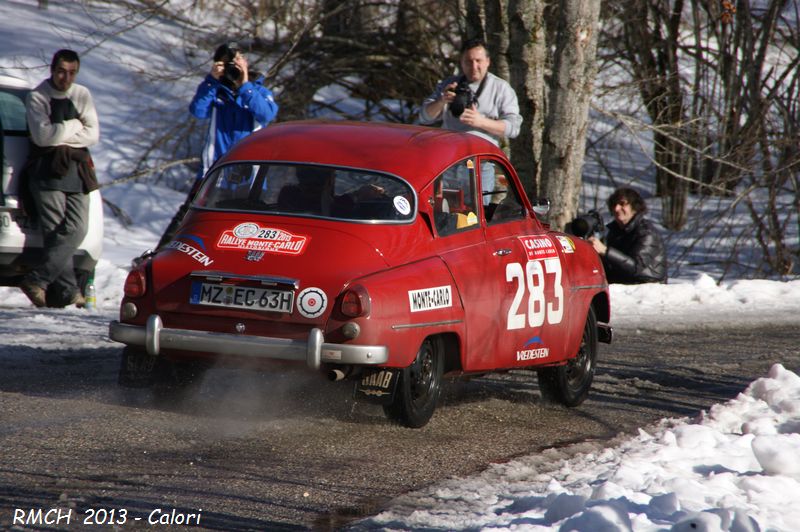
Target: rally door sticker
[[542, 269]]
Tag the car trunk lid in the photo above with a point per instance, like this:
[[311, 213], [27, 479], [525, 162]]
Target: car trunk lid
[[260, 268]]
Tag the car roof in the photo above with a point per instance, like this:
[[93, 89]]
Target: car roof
[[416, 153], [13, 82]]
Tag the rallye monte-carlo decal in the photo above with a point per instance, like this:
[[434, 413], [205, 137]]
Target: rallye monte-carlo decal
[[252, 237], [543, 268]]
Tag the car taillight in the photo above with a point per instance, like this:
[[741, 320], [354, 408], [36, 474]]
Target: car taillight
[[356, 302], [135, 284]]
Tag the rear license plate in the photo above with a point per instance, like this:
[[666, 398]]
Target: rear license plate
[[221, 295]]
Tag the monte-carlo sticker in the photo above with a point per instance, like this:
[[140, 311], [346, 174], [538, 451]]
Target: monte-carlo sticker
[[430, 298]]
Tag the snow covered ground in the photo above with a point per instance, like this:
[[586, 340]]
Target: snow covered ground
[[734, 468]]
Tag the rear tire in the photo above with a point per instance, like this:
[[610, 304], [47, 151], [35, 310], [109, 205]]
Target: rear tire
[[569, 384], [174, 380], [419, 386], [169, 380], [136, 369]]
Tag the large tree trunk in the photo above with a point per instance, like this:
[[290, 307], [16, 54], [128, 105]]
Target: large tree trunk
[[527, 65], [574, 70]]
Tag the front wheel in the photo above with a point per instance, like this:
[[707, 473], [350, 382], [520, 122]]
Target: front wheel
[[419, 386], [569, 384]]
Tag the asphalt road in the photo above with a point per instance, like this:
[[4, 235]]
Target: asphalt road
[[250, 451]]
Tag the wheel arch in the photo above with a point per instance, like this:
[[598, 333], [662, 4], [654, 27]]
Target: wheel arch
[[452, 352], [602, 308]]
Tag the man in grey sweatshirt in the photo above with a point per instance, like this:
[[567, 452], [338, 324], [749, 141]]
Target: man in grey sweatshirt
[[494, 115], [476, 102]]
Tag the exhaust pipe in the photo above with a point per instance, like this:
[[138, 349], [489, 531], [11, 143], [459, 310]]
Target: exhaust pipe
[[339, 374]]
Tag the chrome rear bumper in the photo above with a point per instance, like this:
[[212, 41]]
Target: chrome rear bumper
[[154, 337]]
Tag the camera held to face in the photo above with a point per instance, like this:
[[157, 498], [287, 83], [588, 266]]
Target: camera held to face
[[587, 225], [464, 98], [232, 73]]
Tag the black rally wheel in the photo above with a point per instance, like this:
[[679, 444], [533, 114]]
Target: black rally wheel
[[569, 384], [174, 380], [419, 386]]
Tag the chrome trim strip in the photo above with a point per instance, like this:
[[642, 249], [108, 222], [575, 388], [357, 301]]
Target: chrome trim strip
[[427, 324], [265, 280], [590, 287]]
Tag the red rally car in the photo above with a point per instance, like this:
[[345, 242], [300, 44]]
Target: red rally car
[[386, 254]]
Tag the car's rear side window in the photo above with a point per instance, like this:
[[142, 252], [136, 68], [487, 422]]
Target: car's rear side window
[[308, 190], [12, 111], [455, 207]]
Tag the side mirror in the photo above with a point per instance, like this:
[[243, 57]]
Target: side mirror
[[541, 207]]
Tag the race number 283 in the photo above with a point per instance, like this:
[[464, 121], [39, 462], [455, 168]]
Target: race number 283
[[531, 280]]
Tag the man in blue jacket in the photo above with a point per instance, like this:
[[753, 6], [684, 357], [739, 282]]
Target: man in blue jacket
[[236, 106]]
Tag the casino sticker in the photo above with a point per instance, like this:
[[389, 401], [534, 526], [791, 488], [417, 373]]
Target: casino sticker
[[312, 302]]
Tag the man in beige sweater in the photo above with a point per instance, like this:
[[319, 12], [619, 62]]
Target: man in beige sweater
[[60, 173]]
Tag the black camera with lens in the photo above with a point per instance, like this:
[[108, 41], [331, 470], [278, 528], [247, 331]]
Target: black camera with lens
[[226, 53], [232, 73], [586, 225], [464, 98]]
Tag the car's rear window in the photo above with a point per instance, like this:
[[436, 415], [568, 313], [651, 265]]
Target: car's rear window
[[306, 190], [12, 111]]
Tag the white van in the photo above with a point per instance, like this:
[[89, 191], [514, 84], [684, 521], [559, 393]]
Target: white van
[[20, 237]]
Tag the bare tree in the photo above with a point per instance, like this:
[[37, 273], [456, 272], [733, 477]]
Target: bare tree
[[570, 91], [527, 68], [718, 80]]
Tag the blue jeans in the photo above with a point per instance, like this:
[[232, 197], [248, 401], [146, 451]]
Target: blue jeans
[[63, 218]]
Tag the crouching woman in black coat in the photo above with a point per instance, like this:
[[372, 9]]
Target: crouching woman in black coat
[[633, 251]]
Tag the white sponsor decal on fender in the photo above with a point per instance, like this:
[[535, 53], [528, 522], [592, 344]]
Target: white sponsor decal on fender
[[311, 302], [430, 298], [533, 354], [567, 245]]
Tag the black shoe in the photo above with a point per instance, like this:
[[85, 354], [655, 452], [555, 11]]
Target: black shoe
[[78, 300]]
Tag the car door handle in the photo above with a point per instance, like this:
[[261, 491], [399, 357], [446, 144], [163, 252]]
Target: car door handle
[[502, 252]]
